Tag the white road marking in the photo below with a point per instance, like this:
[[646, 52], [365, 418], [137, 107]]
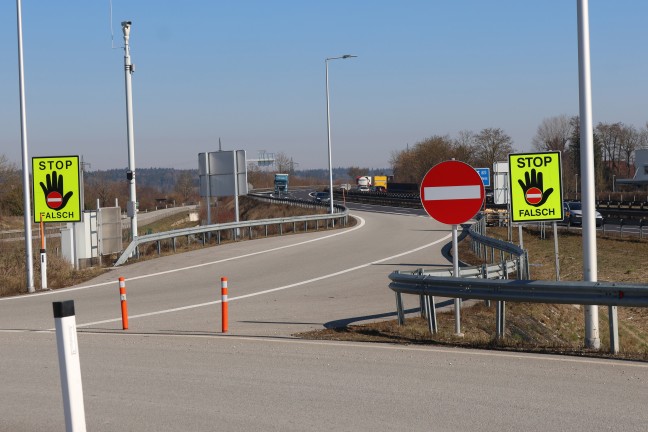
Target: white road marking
[[281, 288], [65, 290], [384, 346]]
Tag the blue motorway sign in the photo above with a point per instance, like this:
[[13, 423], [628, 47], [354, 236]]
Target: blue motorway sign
[[484, 173]]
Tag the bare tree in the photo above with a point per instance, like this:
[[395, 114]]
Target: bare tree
[[492, 145], [553, 134], [610, 136], [631, 140], [11, 201], [185, 186], [283, 162], [355, 172], [410, 165]]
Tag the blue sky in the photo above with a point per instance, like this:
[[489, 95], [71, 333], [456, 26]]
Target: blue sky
[[252, 73]]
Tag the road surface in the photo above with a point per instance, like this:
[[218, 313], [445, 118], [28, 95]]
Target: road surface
[[173, 369]]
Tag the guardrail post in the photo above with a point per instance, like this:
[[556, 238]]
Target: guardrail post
[[430, 308], [621, 221], [484, 272], [159, 249], [500, 318], [173, 242], [614, 329], [124, 303], [280, 229], [224, 308], [399, 309], [218, 235], [422, 305]]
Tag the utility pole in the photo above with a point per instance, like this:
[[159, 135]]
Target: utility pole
[[131, 207]]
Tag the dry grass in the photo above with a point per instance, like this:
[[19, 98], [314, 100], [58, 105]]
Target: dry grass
[[529, 326]]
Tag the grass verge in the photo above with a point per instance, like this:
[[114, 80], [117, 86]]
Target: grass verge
[[531, 327]]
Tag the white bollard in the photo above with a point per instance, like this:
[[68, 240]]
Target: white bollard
[[69, 366]]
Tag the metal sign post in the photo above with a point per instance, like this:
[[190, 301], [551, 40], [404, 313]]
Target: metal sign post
[[452, 192]]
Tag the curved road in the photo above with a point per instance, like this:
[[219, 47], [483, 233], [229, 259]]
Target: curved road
[[174, 370]]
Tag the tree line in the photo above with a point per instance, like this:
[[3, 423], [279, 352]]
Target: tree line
[[614, 148]]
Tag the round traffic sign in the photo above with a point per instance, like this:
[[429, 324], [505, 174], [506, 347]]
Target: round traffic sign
[[452, 192], [54, 200], [533, 195]]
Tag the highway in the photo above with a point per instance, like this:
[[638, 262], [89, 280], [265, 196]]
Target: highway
[[174, 370]]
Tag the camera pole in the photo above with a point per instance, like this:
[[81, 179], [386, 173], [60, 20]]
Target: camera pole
[[131, 208]]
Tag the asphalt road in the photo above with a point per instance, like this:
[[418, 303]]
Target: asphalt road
[[173, 369]]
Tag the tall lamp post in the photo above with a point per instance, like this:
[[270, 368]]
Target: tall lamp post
[[576, 186], [25, 155], [328, 127]]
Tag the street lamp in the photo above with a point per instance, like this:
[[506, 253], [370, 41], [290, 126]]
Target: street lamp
[[577, 186], [328, 127]]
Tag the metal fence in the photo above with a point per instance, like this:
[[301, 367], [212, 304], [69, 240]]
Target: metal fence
[[236, 228]]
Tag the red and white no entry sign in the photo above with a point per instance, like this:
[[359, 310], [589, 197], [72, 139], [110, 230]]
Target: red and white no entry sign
[[452, 192], [54, 200], [533, 195]]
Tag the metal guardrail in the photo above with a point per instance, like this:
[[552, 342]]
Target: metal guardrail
[[427, 285], [579, 292], [341, 215], [481, 244], [494, 271]]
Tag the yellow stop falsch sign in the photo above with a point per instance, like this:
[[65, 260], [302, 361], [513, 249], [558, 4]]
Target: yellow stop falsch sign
[[56, 189], [535, 184]]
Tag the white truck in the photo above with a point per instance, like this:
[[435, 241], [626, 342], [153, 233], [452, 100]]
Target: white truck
[[363, 181]]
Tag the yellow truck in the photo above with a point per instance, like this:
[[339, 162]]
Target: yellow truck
[[380, 183]]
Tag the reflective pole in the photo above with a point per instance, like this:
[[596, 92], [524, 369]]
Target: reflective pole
[[592, 339], [29, 264]]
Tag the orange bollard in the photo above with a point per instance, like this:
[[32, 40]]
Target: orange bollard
[[124, 303], [224, 303]]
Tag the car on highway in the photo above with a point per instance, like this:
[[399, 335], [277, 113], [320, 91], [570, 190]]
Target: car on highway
[[363, 189], [573, 214], [322, 197]]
